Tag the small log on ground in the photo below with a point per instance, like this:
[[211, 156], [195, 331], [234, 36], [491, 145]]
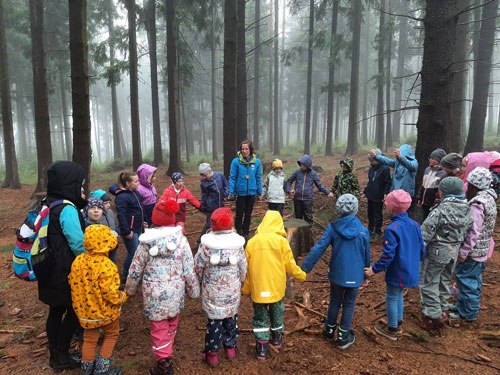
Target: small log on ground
[[299, 235]]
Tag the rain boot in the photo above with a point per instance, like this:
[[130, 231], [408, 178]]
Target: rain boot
[[88, 368], [103, 367], [163, 367], [60, 360], [261, 348]]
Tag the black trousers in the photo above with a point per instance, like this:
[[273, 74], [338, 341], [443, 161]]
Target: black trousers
[[303, 210], [244, 208], [60, 327], [276, 207], [375, 216]]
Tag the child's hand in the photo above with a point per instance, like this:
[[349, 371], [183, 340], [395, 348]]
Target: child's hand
[[365, 283], [369, 271], [330, 195], [232, 197], [145, 224], [129, 236], [397, 153], [292, 193], [371, 153], [461, 259]]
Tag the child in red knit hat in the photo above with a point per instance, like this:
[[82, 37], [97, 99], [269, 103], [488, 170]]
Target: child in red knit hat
[[221, 267], [164, 263]]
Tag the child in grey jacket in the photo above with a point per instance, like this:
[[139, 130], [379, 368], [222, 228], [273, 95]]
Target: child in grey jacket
[[274, 187], [443, 231]]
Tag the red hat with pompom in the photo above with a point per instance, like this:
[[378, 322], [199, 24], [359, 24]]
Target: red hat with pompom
[[164, 213], [222, 219]]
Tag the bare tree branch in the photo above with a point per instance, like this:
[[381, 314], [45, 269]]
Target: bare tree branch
[[400, 15], [386, 112], [470, 7]]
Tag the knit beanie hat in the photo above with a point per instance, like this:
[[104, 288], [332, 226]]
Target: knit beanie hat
[[398, 201], [437, 154], [176, 176], [99, 238], [480, 177], [204, 169], [452, 161], [164, 212], [222, 219], [101, 194], [452, 186], [277, 163], [347, 204], [377, 151], [95, 202]]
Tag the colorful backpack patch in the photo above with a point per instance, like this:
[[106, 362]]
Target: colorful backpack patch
[[31, 240]]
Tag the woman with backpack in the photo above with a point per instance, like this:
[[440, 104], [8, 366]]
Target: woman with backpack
[[65, 242]]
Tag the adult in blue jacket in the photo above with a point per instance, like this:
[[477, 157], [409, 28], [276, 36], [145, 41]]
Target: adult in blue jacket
[[245, 182], [350, 243]]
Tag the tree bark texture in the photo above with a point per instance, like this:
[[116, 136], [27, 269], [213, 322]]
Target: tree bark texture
[[82, 149], [241, 75], [68, 130], [213, 59], [277, 140], [11, 179], [41, 96], [434, 125], [388, 54], [475, 137], [331, 79], [379, 129], [307, 122], [400, 72]]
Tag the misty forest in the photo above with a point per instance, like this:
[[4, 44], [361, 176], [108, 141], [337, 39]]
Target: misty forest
[[171, 82]]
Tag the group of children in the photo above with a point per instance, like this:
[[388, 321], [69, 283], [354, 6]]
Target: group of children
[[456, 237]]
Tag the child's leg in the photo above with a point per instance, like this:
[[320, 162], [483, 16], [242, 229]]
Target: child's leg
[[213, 335], [163, 335], [336, 295], [297, 209], [470, 282], [276, 312], [111, 333], [308, 211], [378, 217], [90, 338], [430, 288], [280, 208], [131, 246], [231, 331], [348, 304], [112, 255], [371, 216], [445, 283], [207, 225], [260, 321], [394, 306]]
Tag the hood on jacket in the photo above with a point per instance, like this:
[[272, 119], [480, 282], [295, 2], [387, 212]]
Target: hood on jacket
[[437, 154], [99, 239], [144, 172], [348, 162], [407, 151], [162, 241], [306, 160], [223, 240], [116, 190], [272, 223], [64, 181], [348, 227], [243, 160]]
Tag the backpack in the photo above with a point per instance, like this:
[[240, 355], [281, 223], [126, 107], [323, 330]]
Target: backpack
[[31, 240]]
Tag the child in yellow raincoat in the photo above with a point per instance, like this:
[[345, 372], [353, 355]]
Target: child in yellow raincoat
[[94, 281], [269, 259]]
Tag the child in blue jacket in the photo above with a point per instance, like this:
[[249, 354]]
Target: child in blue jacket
[[403, 250], [305, 179], [350, 243]]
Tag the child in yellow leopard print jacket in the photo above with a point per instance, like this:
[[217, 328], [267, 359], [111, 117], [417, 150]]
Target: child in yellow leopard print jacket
[[94, 281]]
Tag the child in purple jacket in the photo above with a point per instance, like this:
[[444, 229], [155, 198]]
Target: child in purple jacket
[[147, 177]]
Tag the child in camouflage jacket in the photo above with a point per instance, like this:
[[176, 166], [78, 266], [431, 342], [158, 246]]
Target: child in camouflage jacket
[[346, 182]]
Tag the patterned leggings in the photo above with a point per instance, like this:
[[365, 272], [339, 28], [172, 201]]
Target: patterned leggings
[[225, 330]]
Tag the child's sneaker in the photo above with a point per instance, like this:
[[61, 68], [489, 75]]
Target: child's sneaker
[[388, 333], [231, 353], [329, 332], [276, 339], [400, 328], [261, 350], [345, 339], [211, 358]]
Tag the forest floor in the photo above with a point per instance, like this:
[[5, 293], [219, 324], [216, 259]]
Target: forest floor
[[456, 349]]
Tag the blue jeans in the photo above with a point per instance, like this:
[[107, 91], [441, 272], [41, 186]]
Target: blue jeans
[[345, 297], [394, 305], [131, 246], [469, 275]]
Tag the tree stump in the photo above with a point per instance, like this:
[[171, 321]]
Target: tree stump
[[299, 235]]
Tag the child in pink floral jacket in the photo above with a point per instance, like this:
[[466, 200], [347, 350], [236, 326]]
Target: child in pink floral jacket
[[164, 263]]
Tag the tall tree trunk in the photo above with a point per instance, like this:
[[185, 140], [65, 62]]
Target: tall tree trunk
[[11, 180], [241, 75], [229, 84], [388, 77], [134, 84], [352, 135], [22, 123], [41, 96], [307, 122], [277, 140], [475, 137], [379, 132], [491, 104], [82, 148], [498, 121], [315, 111], [282, 77], [153, 63], [270, 97], [366, 78], [400, 72], [331, 78], [434, 126], [118, 141], [68, 140], [173, 91], [213, 56], [256, 77]]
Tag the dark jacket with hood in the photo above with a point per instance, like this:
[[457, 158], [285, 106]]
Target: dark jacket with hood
[[379, 183], [65, 232], [305, 181], [213, 192], [350, 243], [129, 210]]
